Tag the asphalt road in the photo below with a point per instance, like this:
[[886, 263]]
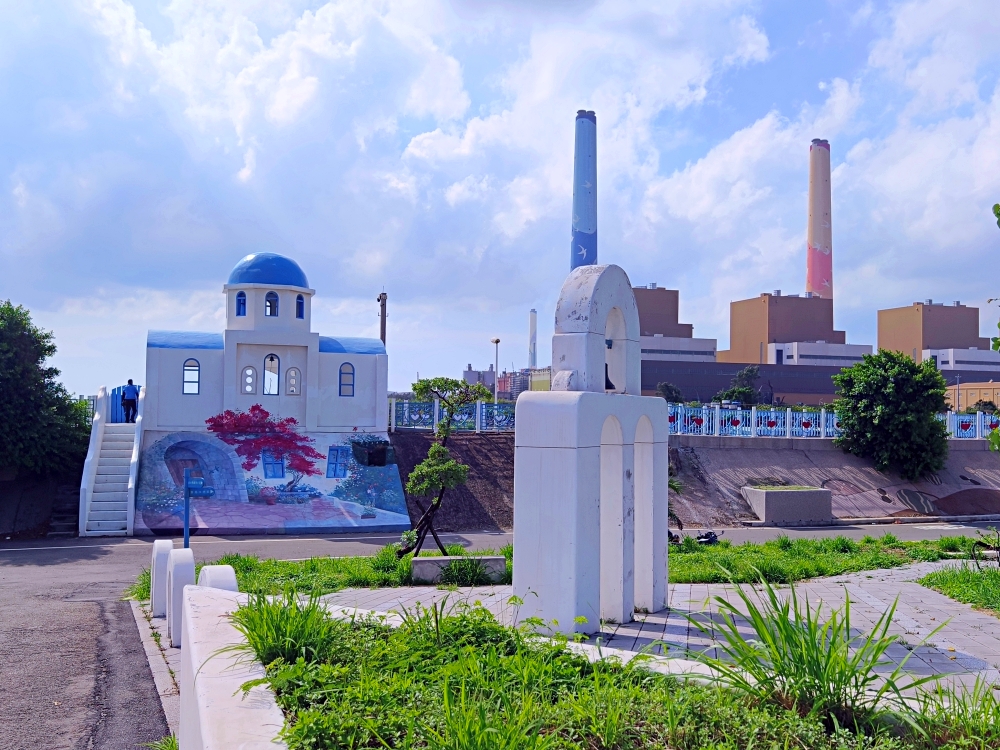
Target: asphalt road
[[72, 670], [73, 674]]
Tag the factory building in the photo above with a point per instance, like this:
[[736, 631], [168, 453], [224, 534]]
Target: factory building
[[788, 330], [948, 334], [661, 336]]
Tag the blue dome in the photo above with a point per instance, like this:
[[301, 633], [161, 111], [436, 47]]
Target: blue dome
[[268, 268]]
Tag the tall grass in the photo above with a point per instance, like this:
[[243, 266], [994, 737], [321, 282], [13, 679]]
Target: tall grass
[[325, 574], [806, 659], [966, 584], [784, 560]]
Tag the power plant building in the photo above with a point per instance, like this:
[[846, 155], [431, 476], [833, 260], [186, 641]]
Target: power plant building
[[933, 330], [788, 330], [661, 336]]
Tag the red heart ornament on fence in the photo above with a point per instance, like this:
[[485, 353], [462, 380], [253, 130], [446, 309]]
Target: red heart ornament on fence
[[771, 423], [672, 418], [698, 421], [735, 422], [965, 425], [806, 425]]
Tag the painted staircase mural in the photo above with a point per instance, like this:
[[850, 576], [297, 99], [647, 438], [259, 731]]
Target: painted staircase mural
[[269, 477]]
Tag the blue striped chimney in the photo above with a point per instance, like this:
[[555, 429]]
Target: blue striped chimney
[[583, 250]]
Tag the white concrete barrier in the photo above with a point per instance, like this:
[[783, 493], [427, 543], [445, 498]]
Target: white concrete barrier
[[218, 577], [180, 573], [158, 577], [215, 715]]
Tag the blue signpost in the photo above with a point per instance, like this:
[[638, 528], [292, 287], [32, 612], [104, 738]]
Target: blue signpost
[[193, 487]]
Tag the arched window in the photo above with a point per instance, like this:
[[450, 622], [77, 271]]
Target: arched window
[[271, 304], [347, 379], [300, 307], [272, 366], [293, 382], [241, 304], [192, 373], [248, 380]]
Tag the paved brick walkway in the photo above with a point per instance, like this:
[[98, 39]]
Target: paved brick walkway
[[966, 647]]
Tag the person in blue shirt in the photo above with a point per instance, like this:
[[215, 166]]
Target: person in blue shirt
[[130, 399]]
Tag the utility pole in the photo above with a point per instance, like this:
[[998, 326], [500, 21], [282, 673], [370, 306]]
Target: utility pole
[[496, 369], [381, 301]]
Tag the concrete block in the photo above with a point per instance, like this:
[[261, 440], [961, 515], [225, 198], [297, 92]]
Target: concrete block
[[180, 573], [429, 569], [158, 577], [781, 506], [218, 577], [215, 714]]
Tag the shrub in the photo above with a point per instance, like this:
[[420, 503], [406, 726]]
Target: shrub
[[669, 392], [43, 430], [887, 407]]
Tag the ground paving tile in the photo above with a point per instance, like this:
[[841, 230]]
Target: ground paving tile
[[965, 646]]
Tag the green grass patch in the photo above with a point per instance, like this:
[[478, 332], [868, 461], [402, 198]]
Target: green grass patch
[[329, 574], [780, 560], [784, 560], [964, 583], [460, 681]]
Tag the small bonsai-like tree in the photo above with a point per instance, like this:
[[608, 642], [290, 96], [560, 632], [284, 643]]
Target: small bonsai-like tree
[[887, 408], [669, 392], [439, 471], [254, 432]]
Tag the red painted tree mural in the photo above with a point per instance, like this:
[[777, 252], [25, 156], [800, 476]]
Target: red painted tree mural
[[255, 431]]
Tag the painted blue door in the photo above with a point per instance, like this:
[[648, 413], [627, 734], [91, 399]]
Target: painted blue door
[[116, 412]]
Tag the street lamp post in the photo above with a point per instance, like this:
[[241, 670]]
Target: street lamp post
[[496, 370]]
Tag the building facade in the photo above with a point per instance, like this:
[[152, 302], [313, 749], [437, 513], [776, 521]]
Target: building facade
[[928, 326], [281, 421], [661, 336]]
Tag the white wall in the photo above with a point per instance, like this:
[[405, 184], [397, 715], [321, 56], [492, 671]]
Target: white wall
[[166, 405], [361, 409], [676, 349]]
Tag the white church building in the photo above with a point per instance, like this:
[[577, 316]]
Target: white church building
[[286, 425]]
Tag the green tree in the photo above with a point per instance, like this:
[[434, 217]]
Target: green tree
[[670, 392], [887, 406], [43, 430], [439, 471], [743, 387]]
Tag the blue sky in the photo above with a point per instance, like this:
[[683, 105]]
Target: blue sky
[[425, 148]]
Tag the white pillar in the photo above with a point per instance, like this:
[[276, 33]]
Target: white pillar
[[822, 422], [753, 421], [180, 573], [158, 577], [788, 422], [437, 406], [718, 419], [392, 415]]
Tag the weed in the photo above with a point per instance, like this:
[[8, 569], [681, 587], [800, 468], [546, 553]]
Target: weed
[[167, 743], [804, 664], [467, 571]]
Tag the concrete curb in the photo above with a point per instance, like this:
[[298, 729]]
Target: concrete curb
[[163, 678]]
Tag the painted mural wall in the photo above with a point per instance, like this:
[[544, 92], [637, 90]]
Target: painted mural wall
[[269, 477]]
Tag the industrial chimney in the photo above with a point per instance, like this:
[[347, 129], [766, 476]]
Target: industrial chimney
[[532, 339], [583, 249], [819, 233]]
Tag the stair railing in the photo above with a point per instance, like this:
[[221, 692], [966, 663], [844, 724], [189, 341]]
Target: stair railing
[[133, 466], [93, 457]]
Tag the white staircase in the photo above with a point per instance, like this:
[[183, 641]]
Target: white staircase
[[108, 514]]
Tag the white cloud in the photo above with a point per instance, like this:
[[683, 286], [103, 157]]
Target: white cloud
[[472, 188], [249, 164]]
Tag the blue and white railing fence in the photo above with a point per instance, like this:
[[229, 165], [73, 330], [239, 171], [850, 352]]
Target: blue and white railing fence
[[708, 419]]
